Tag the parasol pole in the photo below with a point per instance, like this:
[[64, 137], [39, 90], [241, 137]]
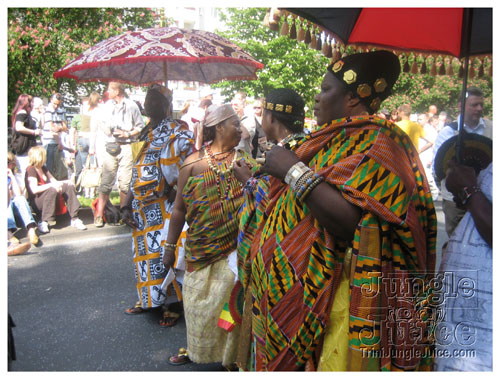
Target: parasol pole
[[165, 73], [467, 20]]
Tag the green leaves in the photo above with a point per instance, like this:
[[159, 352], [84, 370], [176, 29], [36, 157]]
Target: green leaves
[[287, 63], [42, 40]]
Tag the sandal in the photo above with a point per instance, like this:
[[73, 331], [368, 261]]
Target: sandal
[[168, 319], [181, 358], [136, 309]]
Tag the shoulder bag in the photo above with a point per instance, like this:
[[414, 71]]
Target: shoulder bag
[[90, 177]]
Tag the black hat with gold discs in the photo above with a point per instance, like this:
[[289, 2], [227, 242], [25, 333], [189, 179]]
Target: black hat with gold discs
[[369, 76]]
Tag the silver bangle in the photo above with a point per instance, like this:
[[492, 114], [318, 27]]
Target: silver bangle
[[170, 245]]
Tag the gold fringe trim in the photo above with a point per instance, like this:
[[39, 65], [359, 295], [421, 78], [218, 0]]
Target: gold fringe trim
[[322, 40]]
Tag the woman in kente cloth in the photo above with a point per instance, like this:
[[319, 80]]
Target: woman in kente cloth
[[283, 124], [341, 266], [208, 199], [166, 144]]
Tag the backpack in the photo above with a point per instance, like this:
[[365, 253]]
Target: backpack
[[111, 214]]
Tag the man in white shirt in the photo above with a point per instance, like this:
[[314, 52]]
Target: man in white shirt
[[123, 124], [473, 123]]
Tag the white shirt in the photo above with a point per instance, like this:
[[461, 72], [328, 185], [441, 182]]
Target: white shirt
[[444, 135]]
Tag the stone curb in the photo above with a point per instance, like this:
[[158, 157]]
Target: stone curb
[[63, 233]]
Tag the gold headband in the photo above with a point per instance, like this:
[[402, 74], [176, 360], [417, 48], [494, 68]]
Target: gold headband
[[277, 107]]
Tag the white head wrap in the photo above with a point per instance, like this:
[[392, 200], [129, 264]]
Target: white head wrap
[[216, 114]]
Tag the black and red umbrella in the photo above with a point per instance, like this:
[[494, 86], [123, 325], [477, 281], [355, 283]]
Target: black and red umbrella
[[459, 32], [429, 30]]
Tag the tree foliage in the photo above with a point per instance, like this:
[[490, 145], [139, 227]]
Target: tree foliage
[[286, 62], [292, 64], [422, 90], [42, 40]]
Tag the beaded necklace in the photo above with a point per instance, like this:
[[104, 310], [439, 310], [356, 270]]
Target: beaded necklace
[[216, 169], [291, 140]]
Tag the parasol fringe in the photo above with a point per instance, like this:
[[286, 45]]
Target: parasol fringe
[[480, 73], [311, 34], [324, 48], [312, 45], [461, 71], [442, 67], [434, 67], [472, 70], [423, 69], [406, 66], [273, 19], [329, 50], [285, 28], [449, 69], [307, 38], [319, 42], [336, 54], [414, 66], [293, 28], [277, 14], [301, 34]]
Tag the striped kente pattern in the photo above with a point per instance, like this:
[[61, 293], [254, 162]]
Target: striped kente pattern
[[213, 221], [297, 265], [250, 217]]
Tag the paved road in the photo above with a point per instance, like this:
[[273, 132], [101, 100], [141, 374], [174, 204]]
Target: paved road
[[67, 299], [67, 302]]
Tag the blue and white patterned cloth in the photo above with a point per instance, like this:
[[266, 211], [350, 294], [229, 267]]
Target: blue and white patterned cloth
[[465, 333]]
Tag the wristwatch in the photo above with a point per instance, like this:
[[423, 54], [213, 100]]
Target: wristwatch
[[466, 193], [295, 172]]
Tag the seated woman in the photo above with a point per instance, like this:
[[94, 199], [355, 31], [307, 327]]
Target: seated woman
[[45, 192], [17, 205]]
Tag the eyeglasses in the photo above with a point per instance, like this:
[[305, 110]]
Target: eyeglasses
[[257, 107]]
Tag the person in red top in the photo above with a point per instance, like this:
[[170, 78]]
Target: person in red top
[[44, 190]]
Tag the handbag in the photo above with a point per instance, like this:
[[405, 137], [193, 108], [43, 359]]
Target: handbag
[[19, 143], [90, 177], [112, 148]]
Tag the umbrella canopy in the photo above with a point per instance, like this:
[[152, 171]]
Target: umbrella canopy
[[460, 32], [431, 30], [159, 54]]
